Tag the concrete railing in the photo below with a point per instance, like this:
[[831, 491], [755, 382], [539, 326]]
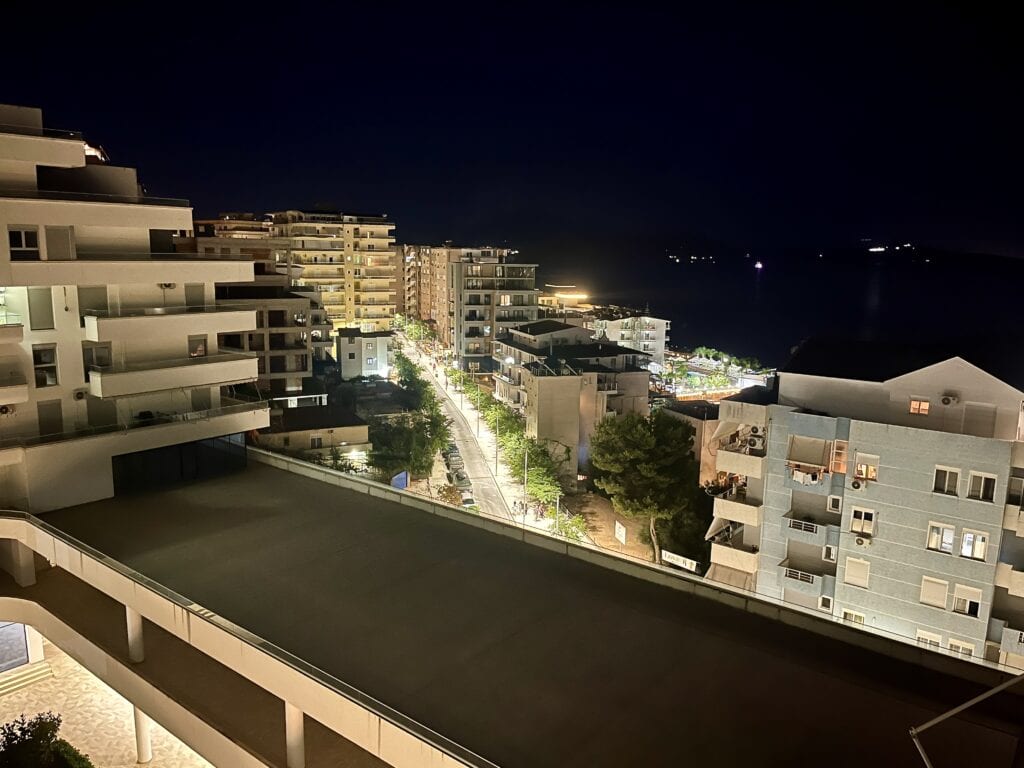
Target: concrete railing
[[864, 636], [382, 731]]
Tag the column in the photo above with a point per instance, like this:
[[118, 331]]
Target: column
[[34, 644], [23, 564], [136, 651], [294, 734], [143, 739]]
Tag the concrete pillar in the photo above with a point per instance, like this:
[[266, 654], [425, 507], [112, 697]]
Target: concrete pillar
[[295, 737], [23, 564], [34, 643], [143, 737], [136, 651]]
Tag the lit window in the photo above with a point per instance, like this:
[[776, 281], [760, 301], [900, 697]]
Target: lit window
[[966, 600], [982, 487], [920, 407], [867, 466], [940, 537], [960, 647], [838, 461], [946, 480], [929, 639], [973, 545], [862, 522], [853, 617], [316, 442]]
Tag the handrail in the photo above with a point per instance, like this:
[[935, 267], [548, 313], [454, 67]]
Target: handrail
[[161, 311], [92, 197], [47, 133], [177, 362], [346, 690]]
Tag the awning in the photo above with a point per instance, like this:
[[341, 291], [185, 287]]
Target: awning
[[725, 428], [717, 524], [732, 577]]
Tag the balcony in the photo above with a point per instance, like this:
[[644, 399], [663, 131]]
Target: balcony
[[122, 268], [1011, 641], [158, 375], [12, 331], [736, 506], [1010, 579], [810, 529], [740, 458], [1013, 520], [13, 388], [735, 556], [133, 322], [89, 197], [801, 580]]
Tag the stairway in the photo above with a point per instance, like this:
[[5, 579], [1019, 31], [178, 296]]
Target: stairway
[[24, 676]]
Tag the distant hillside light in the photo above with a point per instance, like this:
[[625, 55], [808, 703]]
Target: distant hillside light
[[759, 265]]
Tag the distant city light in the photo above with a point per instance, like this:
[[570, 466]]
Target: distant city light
[[759, 265], [877, 249]]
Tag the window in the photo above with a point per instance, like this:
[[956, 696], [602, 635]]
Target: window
[[505, 300], [825, 603], [981, 487], [940, 537], [966, 600], [24, 243], [351, 355], [40, 309], [973, 544], [197, 346], [371, 362], [839, 451], [946, 480], [867, 466], [828, 552], [919, 407], [853, 617], [369, 346], [44, 360], [929, 639], [1015, 491], [835, 504], [862, 521], [934, 591], [961, 647], [858, 572], [316, 442]]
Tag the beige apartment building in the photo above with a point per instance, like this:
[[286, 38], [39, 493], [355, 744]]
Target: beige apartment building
[[111, 371], [565, 384]]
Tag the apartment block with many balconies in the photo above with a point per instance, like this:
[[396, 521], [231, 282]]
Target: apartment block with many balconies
[[887, 494], [348, 262], [565, 384], [640, 332], [109, 345]]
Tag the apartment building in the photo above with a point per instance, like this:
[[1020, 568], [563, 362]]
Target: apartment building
[[110, 368], [348, 262], [640, 332], [882, 486], [364, 354], [566, 384]]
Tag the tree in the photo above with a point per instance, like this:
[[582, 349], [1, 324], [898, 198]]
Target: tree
[[35, 743], [449, 494], [647, 466], [340, 462], [717, 381]]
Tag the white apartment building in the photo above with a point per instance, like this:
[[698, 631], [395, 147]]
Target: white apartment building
[[349, 262], [640, 332], [566, 384], [885, 491], [364, 354], [109, 357]]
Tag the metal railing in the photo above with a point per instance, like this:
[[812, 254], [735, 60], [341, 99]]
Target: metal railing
[[156, 420], [800, 525], [175, 362], [159, 311], [793, 573], [9, 318], [47, 133], [172, 256], [92, 197]]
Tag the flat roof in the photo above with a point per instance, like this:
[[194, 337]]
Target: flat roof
[[316, 417], [529, 658]]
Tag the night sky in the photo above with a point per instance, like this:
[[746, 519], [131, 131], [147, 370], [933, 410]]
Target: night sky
[[593, 140]]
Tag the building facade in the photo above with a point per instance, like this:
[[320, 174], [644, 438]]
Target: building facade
[[640, 332], [364, 354], [109, 343], [565, 385], [891, 502], [348, 262]]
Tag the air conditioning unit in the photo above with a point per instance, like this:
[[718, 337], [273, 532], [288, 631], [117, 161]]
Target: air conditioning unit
[[755, 430], [167, 286], [756, 442], [856, 484], [950, 398], [79, 394], [863, 542], [6, 410]]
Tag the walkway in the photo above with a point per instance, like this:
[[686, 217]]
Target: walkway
[[528, 657], [96, 719]]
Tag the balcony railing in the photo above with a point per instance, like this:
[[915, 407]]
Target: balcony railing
[[802, 525], [145, 256], [9, 318], [176, 362], [47, 133], [157, 311], [91, 197], [158, 418], [793, 573]]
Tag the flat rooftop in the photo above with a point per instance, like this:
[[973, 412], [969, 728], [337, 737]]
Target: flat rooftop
[[527, 657]]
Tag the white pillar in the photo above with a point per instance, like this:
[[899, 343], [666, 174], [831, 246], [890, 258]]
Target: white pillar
[[295, 738], [136, 651], [34, 643], [23, 564], [143, 739]]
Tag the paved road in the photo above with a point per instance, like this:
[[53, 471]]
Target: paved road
[[478, 467]]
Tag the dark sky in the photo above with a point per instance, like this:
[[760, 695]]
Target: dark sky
[[592, 139]]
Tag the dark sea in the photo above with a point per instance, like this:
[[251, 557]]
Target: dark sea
[[910, 294]]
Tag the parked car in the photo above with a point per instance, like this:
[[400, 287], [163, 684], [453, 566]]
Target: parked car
[[468, 500], [459, 479], [455, 462], [450, 450]]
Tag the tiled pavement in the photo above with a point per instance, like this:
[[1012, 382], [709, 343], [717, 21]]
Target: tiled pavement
[[96, 719]]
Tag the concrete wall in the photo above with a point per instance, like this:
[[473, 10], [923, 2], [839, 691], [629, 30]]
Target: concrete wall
[[553, 414]]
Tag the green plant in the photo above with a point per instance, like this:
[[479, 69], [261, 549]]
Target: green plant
[[66, 756], [34, 743], [449, 494]]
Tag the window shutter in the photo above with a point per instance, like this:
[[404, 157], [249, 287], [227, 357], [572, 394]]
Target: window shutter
[[857, 572], [933, 592]]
